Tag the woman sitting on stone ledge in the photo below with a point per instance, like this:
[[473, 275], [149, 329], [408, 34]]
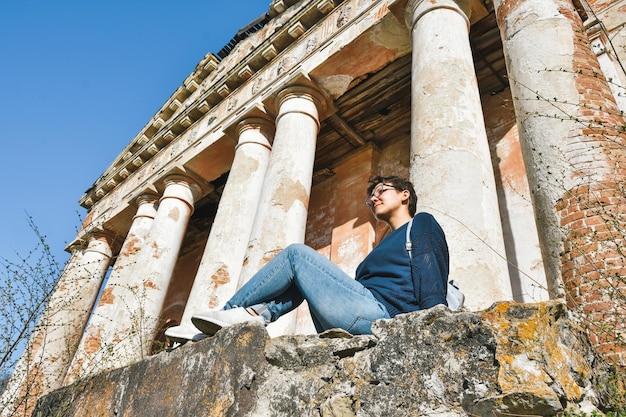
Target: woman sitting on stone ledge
[[384, 285]]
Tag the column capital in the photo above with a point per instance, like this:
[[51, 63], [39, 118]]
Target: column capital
[[146, 198], [302, 91], [263, 125], [146, 205], [256, 118], [100, 242], [181, 187], [180, 179], [415, 9], [302, 94]]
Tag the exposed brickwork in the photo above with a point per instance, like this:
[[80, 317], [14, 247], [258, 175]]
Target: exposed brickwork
[[219, 278], [150, 284], [107, 297], [33, 386], [592, 206], [93, 342], [594, 266], [132, 246], [593, 214]]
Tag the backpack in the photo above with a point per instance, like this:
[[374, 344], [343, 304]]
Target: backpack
[[454, 297]]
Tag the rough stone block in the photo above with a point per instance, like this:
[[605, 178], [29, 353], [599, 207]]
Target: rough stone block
[[510, 359]]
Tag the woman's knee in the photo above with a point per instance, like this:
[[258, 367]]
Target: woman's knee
[[297, 248]]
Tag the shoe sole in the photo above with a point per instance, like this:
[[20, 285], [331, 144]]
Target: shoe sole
[[207, 327], [195, 337], [175, 339]]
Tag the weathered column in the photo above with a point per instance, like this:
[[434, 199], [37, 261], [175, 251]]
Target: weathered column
[[155, 264], [450, 161], [281, 216], [54, 341], [112, 320], [575, 156], [218, 273]]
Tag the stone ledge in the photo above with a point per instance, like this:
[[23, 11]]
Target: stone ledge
[[511, 359]]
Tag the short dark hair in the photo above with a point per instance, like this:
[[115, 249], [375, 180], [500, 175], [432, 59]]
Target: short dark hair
[[401, 183]]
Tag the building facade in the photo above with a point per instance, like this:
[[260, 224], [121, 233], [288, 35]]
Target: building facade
[[506, 115]]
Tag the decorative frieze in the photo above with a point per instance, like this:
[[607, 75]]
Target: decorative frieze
[[344, 16], [232, 104], [311, 45]]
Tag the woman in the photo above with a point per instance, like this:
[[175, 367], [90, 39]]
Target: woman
[[384, 285]]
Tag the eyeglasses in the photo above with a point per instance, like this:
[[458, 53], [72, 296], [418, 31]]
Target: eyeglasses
[[378, 191]]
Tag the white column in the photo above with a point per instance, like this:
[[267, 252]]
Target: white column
[[218, 273], [54, 341], [283, 205], [100, 348], [571, 139], [155, 264], [450, 161]]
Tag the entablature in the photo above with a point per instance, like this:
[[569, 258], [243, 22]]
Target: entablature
[[211, 82]]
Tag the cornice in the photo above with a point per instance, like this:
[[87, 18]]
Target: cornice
[[208, 85]]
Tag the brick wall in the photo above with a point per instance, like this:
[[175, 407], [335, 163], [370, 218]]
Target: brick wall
[[593, 214]]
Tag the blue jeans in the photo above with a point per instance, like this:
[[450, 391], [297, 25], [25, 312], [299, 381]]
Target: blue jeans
[[300, 273]]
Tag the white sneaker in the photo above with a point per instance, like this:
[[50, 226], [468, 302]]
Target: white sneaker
[[182, 334], [209, 322]]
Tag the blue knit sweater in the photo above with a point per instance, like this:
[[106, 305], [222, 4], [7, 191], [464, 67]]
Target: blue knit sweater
[[386, 271]]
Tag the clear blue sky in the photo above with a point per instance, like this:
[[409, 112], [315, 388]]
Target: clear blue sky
[[78, 80]]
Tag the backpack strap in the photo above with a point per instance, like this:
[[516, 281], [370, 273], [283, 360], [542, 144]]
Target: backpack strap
[[409, 248], [407, 243]]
